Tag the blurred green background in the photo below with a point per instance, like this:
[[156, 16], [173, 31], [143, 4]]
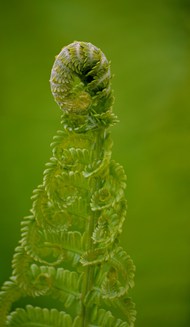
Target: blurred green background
[[148, 44]]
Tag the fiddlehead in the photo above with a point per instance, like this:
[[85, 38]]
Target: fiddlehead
[[69, 248], [80, 83]]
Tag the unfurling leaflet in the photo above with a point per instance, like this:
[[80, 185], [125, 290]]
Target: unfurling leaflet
[[69, 248]]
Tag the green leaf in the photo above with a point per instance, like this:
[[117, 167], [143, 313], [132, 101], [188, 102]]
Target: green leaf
[[70, 244], [113, 189], [28, 276], [37, 317], [123, 308], [66, 287], [124, 265], [94, 256], [49, 247], [109, 225], [116, 276], [105, 318], [48, 214]]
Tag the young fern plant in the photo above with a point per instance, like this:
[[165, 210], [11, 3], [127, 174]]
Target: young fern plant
[[69, 248]]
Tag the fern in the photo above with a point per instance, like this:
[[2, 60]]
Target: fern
[[69, 248]]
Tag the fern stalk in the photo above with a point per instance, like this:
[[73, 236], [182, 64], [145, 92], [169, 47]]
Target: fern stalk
[[69, 248]]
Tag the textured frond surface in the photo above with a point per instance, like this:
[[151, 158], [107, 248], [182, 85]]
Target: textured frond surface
[[105, 318], [35, 317]]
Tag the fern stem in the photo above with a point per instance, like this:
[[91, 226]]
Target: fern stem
[[89, 270]]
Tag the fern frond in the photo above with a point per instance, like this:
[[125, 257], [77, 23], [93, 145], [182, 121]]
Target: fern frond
[[107, 196], [126, 307], [66, 287], [10, 293], [34, 241], [109, 225], [94, 256], [34, 280], [69, 248], [70, 244], [35, 317], [49, 247], [124, 265], [105, 318], [49, 214]]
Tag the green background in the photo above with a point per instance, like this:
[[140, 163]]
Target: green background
[[148, 45]]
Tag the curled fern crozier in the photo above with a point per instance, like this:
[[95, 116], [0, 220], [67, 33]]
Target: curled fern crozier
[[69, 248]]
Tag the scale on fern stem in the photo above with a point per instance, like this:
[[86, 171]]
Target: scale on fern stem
[[69, 248]]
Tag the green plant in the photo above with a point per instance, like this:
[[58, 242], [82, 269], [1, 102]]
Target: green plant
[[69, 248]]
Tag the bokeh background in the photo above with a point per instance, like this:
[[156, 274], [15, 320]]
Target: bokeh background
[[148, 44]]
